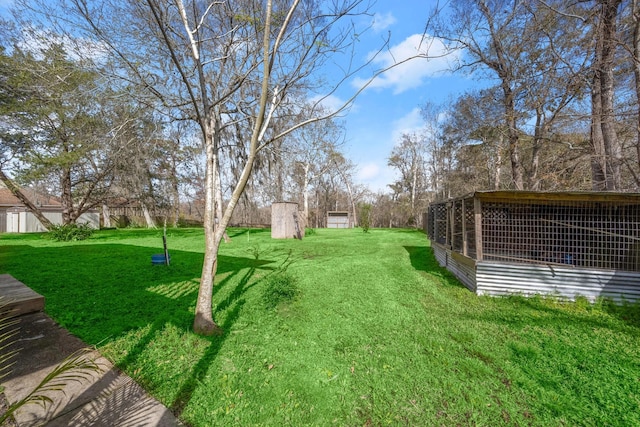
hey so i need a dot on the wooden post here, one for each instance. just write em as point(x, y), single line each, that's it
point(477, 214)
point(164, 243)
point(449, 225)
point(464, 228)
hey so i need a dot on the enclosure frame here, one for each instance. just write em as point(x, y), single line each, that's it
point(566, 244)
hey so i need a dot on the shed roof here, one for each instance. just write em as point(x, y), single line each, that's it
point(558, 196)
point(7, 199)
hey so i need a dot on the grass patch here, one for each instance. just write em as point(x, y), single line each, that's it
point(374, 334)
point(279, 289)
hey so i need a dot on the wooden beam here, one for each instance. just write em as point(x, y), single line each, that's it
point(565, 196)
point(477, 214)
point(464, 228)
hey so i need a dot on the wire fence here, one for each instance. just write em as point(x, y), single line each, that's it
point(596, 234)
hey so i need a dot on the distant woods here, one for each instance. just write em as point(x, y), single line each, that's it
point(557, 107)
point(119, 117)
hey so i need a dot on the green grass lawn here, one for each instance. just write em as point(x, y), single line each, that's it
point(378, 335)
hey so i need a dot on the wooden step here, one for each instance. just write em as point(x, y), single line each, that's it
point(18, 297)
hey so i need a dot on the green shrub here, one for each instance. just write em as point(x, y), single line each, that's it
point(280, 287)
point(309, 231)
point(70, 232)
point(365, 216)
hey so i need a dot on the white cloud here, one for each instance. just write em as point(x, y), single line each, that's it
point(382, 21)
point(34, 40)
point(368, 171)
point(375, 177)
point(425, 57)
point(331, 103)
point(411, 123)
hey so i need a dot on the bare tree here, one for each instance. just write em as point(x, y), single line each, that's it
point(408, 157)
point(222, 64)
point(311, 152)
point(496, 36)
point(607, 150)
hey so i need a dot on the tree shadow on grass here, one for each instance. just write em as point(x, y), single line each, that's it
point(422, 259)
point(235, 232)
point(235, 303)
point(101, 292)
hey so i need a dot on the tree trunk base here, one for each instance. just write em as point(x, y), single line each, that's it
point(206, 327)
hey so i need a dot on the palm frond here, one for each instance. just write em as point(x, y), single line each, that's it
point(78, 367)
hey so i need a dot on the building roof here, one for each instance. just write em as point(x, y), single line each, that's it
point(7, 199)
point(527, 196)
point(545, 196)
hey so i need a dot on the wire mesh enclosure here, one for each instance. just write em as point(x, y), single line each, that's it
point(574, 232)
point(600, 231)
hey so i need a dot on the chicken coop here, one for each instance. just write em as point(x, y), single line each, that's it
point(565, 244)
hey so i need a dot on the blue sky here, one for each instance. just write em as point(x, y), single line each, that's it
point(391, 105)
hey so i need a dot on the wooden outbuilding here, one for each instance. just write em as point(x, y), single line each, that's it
point(567, 244)
point(339, 219)
point(16, 218)
point(286, 221)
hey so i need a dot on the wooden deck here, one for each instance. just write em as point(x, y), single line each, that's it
point(18, 297)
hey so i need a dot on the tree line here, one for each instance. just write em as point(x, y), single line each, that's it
point(557, 107)
point(110, 100)
point(216, 108)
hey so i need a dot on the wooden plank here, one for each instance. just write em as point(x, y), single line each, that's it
point(464, 228)
point(463, 260)
point(18, 298)
point(477, 213)
point(568, 196)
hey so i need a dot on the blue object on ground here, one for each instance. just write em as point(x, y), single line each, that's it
point(158, 259)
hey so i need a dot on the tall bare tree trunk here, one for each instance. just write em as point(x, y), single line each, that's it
point(607, 152)
point(218, 196)
point(175, 191)
point(514, 139)
point(147, 215)
point(203, 322)
point(636, 72)
point(305, 192)
point(498, 168)
point(538, 135)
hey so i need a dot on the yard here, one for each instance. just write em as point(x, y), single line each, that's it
point(378, 335)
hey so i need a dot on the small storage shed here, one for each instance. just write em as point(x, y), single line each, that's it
point(16, 218)
point(21, 220)
point(286, 221)
point(339, 219)
point(567, 244)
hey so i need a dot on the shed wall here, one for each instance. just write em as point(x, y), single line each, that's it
point(26, 222)
point(286, 221)
point(339, 219)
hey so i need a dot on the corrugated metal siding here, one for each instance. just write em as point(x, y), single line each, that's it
point(465, 273)
point(504, 279)
point(440, 254)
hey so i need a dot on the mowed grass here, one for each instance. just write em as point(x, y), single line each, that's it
point(379, 334)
